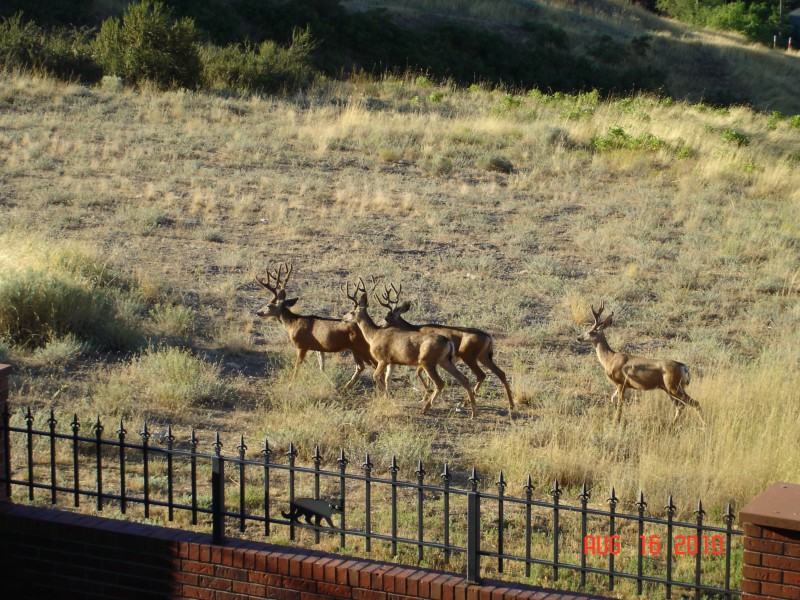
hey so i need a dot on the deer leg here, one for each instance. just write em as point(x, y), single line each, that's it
point(461, 378)
point(620, 393)
point(359, 368)
point(321, 360)
point(424, 383)
point(681, 399)
point(473, 365)
point(301, 355)
point(376, 376)
point(488, 360)
point(437, 382)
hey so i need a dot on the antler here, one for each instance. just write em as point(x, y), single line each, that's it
point(279, 289)
point(385, 299)
point(354, 296)
point(596, 313)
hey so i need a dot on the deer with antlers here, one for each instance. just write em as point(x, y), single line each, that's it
point(473, 346)
point(310, 332)
point(626, 371)
point(393, 346)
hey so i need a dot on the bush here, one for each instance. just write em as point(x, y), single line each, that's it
point(149, 45)
point(163, 380)
point(63, 52)
point(20, 44)
point(38, 306)
point(267, 67)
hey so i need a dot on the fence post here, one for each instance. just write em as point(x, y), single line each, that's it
point(218, 500)
point(5, 441)
point(473, 537)
point(771, 524)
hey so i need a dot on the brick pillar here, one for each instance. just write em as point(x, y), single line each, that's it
point(5, 371)
point(771, 525)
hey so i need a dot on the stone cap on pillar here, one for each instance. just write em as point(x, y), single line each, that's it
point(778, 506)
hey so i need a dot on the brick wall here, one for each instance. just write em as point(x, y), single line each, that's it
point(771, 524)
point(46, 553)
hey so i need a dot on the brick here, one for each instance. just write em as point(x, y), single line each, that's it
point(390, 579)
point(752, 558)
point(460, 591)
point(297, 583)
point(318, 571)
point(330, 570)
point(307, 567)
point(412, 583)
point(790, 578)
point(218, 584)
point(791, 549)
point(265, 578)
point(230, 573)
point(365, 576)
point(308, 596)
point(768, 546)
point(249, 589)
point(751, 530)
point(359, 594)
point(485, 592)
point(789, 592)
point(279, 594)
point(436, 586)
point(194, 592)
point(342, 572)
point(401, 581)
point(500, 593)
point(784, 563)
point(781, 535)
point(761, 574)
point(331, 589)
point(377, 576)
point(191, 566)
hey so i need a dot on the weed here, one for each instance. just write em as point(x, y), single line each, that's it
point(735, 137)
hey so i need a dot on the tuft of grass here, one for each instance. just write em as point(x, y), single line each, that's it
point(60, 352)
point(161, 382)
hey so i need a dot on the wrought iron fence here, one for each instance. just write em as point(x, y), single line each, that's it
point(470, 526)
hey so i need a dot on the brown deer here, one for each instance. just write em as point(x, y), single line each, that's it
point(472, 345)
point(393, 346)
point(639, 373)
point(312, 333)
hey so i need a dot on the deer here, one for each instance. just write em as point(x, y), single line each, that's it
point(394, 346)
point(311, 332)
point(640, 373)
point(472, 346)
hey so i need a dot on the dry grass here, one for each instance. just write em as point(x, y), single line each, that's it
point(189, 196)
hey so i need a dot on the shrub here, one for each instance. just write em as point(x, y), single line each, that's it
point(20, 44)
point(267, 67)
point(735, 137)
point(168, 380)
point(38, 306)
point(149, 45)
point(618, 138)
point(497, 164)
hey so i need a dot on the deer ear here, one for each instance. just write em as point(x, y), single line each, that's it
point(363, 300)
point(281, 294)
point(290, 302)
point(607, 321)
point(404, 307)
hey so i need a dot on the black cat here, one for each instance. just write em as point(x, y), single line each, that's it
point(310, 507)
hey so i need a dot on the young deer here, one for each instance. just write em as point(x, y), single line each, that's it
point(393, 346)
point(312, 333)
point(472, 345)
point(626, 371)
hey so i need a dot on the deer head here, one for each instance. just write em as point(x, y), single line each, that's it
point(359, 309)
point(394, 309)
point(596, 332)
point(278, 289)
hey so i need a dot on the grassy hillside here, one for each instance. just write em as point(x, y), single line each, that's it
point(513, 213)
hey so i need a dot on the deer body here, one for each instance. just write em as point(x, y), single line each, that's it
point(637, 372)
point(394, 346)
point(313, 333)
point(472, 346)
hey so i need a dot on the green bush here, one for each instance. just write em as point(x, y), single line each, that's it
point(148, 44)
point(20, 44)
point(618, 138)
point(267, 67)
point(735, 137)
point(39, 306)
point(62, 52)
